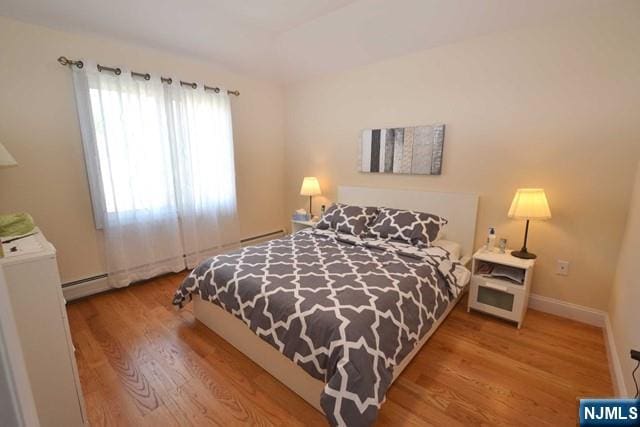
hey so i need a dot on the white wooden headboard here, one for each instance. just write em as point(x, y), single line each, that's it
point(460, 209)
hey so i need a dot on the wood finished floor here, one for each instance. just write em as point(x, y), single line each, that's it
point(143, 363)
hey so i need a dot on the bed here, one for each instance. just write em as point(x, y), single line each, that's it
point(337, 318)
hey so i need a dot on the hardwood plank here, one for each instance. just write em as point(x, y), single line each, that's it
point(133, 381)
point(99, 413)
point(540, 355)
point(113, 400)
point(430, 406)
point(152, 334)
point(142, 363)
point(286, 398)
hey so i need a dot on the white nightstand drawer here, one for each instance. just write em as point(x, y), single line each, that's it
point(498, 285)
point(497, 297)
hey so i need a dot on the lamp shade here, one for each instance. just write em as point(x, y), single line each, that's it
point(310, 186)
point(530, 203)
point(6, 159)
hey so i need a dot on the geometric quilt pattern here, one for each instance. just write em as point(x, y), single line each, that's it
point(346, 310)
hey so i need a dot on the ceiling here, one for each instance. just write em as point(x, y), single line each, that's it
point(294, 39)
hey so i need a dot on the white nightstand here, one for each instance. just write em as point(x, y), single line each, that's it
point(496, 295)
point(297, 225)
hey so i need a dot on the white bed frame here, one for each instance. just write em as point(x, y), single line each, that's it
point(461, 211)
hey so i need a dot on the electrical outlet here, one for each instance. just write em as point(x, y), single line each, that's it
point(562, 267)
point(635, 355)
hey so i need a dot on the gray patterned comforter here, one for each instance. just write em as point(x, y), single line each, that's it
point(347, 310)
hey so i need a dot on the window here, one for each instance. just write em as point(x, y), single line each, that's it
point(161, 171)
point(133, 151)
point(152, 147)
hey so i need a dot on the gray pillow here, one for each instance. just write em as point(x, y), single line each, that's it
point(325, 222)
point(417, 228)
point(353, 219)
point(349, 219)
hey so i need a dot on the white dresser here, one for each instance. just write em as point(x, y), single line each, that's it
point(39, 309)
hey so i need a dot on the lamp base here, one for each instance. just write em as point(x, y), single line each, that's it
point(524, 255)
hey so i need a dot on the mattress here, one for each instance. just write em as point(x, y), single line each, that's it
point(453, 248)
point(346, 310)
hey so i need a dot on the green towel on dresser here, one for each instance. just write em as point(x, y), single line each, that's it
point(16, 224)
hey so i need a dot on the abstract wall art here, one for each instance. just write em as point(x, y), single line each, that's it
point(409, 150)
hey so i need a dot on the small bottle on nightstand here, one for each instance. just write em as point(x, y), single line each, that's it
point(491, 239)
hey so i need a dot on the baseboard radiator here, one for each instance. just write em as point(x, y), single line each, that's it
point(95, 284)
point(261, 238)
point(85, 287)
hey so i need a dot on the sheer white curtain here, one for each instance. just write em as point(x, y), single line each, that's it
point(160, 167)
point(200, 123)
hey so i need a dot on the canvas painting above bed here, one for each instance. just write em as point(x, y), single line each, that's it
point(409, 150)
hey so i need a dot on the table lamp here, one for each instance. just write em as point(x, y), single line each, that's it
point(528, 203)
point(6, 159)
point(310, 187)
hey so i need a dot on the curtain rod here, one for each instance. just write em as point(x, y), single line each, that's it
point(63, 60)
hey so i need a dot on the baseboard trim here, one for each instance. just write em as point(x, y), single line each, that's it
point(580, 313)
point(84, 288)
point(617, 376)
point(254, 240)
point(94, 285)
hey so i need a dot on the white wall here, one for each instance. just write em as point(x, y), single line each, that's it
point(554, 107)
point(624, 307)
point(38, 125)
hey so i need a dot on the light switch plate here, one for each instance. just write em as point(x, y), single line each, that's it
point(562, 267)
